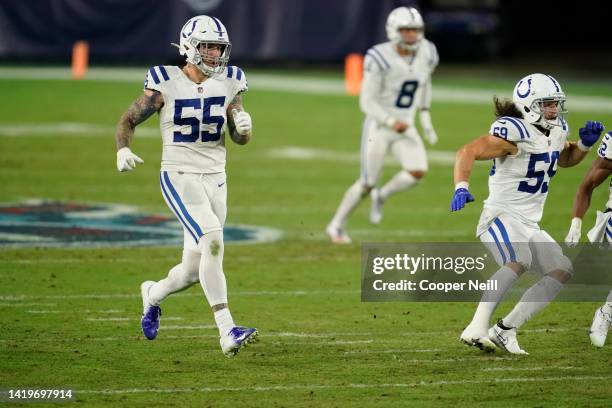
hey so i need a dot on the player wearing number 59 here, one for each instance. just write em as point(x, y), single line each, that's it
point(527, 142)
point(196, 104)
point(396, 82)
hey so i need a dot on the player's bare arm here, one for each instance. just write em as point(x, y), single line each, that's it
point(484, 148)
point(597, 174)
point(571, 155)
point(141, 109)
point(234, 108)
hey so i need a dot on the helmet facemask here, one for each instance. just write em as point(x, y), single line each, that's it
point(409, 46)
point(550, 110)
point(206, 58)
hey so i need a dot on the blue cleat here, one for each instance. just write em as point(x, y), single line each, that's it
point(150, 314)
point(237, 338)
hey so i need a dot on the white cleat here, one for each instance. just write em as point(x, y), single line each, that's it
point(238, 338)
point(337, 235)
point(505, 339)
point(376, 206)
point(477, 338)
point(599, 329)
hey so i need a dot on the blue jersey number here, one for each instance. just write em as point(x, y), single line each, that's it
point(604, 145)
point(207, 119)
point(540, 184)
point(406, 95)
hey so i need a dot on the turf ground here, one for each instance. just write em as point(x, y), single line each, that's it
point(70, 318)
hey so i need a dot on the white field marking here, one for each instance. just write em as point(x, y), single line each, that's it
point(528, 368)
point(542, 330)
point(393, 351)
point(297, 387)
point(43, 311)
point(68, 129)
point(105, 311)
point(7, 297)
point(300, 84)
point(442, 157)
point(187, 327)
point(125, 319)
point(27, 304)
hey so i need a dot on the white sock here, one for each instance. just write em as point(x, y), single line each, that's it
point(607, 307)
point(179, 278)
point(224, 321)
point(211, 274)
point(505, 278)
point(400, 182)
point(349, 202)
point(533, 300)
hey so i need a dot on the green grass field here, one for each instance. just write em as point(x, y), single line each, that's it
point(320, 346)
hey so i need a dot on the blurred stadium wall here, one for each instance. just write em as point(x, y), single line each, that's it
point(303, 31)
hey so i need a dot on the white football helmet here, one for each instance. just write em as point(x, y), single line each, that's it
point(404, 17)
point(205, 30)
point(532, 93)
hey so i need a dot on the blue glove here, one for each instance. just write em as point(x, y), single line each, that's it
point(461, 197)
point(589, 134)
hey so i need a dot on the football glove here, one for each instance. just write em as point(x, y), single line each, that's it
point(126, 160)
point(589, 134)
point(460, 199)
point(573, 236)
point(243, 122)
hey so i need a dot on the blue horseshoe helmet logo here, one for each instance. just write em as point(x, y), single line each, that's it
point(523, 95)
point(185, 35)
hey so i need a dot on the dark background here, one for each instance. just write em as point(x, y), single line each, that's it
point(305, 32)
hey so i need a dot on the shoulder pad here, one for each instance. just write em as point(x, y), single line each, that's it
point(509, 128)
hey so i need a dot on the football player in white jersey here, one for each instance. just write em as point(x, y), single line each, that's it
point(600, 170)
point(396, 83)
point(196, 104)
point(527, 143)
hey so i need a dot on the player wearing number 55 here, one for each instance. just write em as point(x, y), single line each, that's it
point(527, 142)
point(396, 82)
point(196, 104)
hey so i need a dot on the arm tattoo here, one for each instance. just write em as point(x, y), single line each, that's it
point(236, 104)
point(140, 110)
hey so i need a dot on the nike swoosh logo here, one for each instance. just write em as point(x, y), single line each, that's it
point(503, 123)
point(221, 185)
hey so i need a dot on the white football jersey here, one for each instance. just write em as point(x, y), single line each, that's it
point(193, 119)
point(605, 152)
point(400, 80)
point(519, 184)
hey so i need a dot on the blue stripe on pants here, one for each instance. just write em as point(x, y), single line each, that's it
point(504, 234)
point(177, 198)
point(178, 215)
point(501, 251)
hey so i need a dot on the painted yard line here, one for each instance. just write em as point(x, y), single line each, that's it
point(125, 319)
point(529, 368)
point(186, 327)
point(442, 157)
point(541, 330)
point(43, 311)
point(393, 351)
point(26, 304)
point(296, 387)
point(301, 84)
point(9, 297)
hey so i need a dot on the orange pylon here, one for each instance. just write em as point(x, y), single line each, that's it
point(353, 72)
point(80, 59)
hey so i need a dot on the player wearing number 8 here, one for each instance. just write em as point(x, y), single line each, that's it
point(527, 142)
point(196, 104)
point(396, 83)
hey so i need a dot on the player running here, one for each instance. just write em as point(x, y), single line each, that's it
point(396, 81)
point(196, 104)
point(527, 143)
point(600, 170)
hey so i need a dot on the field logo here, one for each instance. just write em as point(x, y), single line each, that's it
point(38, 223)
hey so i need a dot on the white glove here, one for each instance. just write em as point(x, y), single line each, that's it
point(573, 236)
point(243, 122)
point(126, 160)
point(428, 129)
